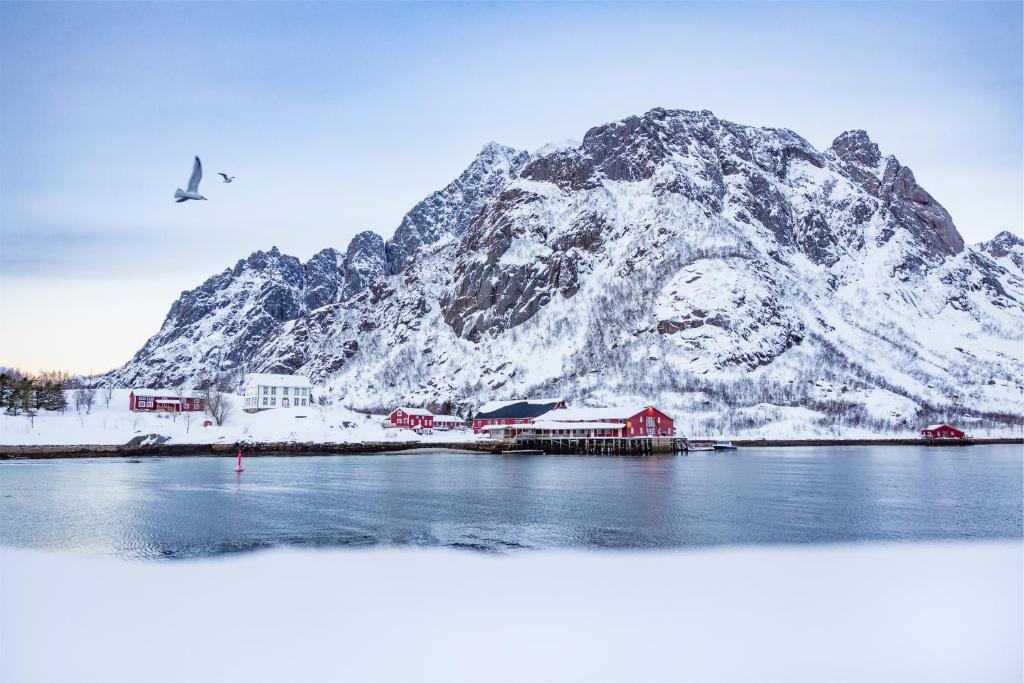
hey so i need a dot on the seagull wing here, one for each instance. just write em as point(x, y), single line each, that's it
point(223, 175)
point(197, 175)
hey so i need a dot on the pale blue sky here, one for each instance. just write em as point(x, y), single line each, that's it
point(339, 117)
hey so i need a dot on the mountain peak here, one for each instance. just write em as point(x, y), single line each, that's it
point(494, 149)
point(1004, 244)
point(856, 146)
point(447, 213)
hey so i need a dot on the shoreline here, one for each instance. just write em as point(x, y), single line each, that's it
point(55, 451)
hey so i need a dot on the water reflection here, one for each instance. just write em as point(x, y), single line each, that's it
point(187, 507)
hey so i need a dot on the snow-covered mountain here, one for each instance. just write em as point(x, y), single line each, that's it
point(734, 274)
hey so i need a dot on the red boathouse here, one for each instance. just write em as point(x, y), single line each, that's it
point(169, 400)
point(417, 419)
point(635, 421)
point(942, 431)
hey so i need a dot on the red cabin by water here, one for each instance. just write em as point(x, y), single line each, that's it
point(411, 418)
point(942, 431)
point(167, 400)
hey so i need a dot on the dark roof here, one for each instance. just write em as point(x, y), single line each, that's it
point(518, 410)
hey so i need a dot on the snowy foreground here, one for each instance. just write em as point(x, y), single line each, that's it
point(836, 613)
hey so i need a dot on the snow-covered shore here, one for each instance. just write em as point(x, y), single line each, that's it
point(844, 613)
point(115, 425)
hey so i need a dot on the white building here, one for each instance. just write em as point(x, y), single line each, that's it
point(263, 392)
point(448, 422)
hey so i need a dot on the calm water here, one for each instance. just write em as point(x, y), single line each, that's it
point(187, 507)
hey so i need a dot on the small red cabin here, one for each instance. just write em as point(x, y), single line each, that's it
point(418, 419)
point(942, 431)
point(168, 400)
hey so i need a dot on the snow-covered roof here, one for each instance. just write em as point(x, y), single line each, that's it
point(413, 411)
point(266, 379)
point(491, 406)
point(939, 426)
point(592, 414)
point(448, 418)
point(170, 393)
point(553, 424)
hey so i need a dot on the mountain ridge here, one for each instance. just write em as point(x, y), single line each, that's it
point(671, 245)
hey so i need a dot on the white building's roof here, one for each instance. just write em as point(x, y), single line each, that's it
point(495, 405)
point(413, 411)
point(592, 414)
point(448, 418)
point(264, 379)
point(157, 393)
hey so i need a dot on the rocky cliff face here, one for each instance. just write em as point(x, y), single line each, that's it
point(446, 214)
point(726, 271)
point(221, 324)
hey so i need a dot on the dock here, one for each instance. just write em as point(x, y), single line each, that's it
point(553, 445)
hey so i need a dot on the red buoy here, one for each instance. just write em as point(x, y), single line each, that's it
point(238, 467)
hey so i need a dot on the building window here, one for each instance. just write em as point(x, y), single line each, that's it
point(273, 400)
point(284, 390)
point(264, 390)
point(273, 391)
point(264, 400)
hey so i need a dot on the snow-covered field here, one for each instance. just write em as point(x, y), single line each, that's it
point(823, 613)
point(116, 425)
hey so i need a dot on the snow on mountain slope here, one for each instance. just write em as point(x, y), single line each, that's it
point(1007, 250)
point(447, 213)
point(727, 272)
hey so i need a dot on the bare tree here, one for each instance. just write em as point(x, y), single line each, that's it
point(186, 418)
point(180, 393)
point(85, 397)
point(218, 400)
point(108, 394)
point(88, 397)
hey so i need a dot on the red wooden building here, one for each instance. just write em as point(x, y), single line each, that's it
point(168, 400)
point(636, 421)
point(417, 419)
point(513, 412)
point(942, 431)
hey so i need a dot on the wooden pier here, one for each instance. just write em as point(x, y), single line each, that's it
point(571, 445)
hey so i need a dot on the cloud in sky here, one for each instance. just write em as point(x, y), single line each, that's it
point(339, 117)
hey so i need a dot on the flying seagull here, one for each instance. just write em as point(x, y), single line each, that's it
point(226, 177)
point(193, 184)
